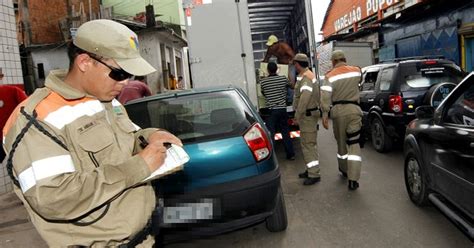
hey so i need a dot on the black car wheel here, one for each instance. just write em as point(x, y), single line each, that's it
point(278, 221)
point(415, 180)
point(380, 139)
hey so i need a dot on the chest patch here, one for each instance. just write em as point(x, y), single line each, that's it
point(86, 127)
point(118, 110)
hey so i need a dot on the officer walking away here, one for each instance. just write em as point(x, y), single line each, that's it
point(77, 163)
point(274, 89)
point(306, 105)
point(341, 89)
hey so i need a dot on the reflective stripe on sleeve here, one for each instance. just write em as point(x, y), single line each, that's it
point(68, 114)
point(326, 88)
point(312, 164)
point(310, 89)
point(116, 103)
point(44, 168)
point(354, 158)
point(136, 127)
point(342, 156)
point(344, 76)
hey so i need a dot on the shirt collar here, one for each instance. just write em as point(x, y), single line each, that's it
point(55, 82)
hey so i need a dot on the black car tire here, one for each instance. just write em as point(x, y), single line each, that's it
point(278, 221)
point(415, 179)
point(380, 139)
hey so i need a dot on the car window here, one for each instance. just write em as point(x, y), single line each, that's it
point(386, 79)
point(369, 79)
point(424, 77)
point(198, 116)
point(462, 110)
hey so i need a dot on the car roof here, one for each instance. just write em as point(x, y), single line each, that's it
point(397, 61)
point(177, 93)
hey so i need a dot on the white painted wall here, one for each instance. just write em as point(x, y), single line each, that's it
point(52, 59)
point(150, 50)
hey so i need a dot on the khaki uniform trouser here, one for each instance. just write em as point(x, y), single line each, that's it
point(309, 144)
point(348, 156)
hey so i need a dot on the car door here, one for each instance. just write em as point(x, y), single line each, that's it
point(452, 139)
point(384, 88)
point(367, 88)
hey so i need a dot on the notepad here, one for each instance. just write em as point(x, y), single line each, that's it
point(176, 157)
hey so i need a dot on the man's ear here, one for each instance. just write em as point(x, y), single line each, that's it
point(82, 61)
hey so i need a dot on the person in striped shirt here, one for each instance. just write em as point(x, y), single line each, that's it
point(274, 88)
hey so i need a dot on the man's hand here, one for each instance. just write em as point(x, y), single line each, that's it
point(155, 153)
point(325, 123)
point(164, 136)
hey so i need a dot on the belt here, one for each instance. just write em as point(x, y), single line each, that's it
point(308, 111)
point(345, 102)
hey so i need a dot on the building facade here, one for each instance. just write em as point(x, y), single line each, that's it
point(397, 29)
point(10, 66)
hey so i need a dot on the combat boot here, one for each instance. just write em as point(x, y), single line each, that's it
point(311, 180)
point(303, 174)
point(353, 185)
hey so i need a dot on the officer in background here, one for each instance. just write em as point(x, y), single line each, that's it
point(306, 105)
point(341, 89)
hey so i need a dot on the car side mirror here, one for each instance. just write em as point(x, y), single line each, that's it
point(424, 112)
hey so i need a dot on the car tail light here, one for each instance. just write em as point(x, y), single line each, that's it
point(430, 62)
point(395, 103)
point(258, 142)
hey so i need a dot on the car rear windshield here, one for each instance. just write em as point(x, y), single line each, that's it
point(423, 76)
point(196, 117)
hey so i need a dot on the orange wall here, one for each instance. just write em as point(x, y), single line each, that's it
point(44, 17)
point(344, 13)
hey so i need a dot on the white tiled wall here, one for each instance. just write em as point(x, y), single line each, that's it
point(9, 52)
point(10, 64)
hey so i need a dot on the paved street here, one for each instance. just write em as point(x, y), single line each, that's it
point(379, 214)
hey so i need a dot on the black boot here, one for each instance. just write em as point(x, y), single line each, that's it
point(311, 180)
point(353, 185)
point(303, 174)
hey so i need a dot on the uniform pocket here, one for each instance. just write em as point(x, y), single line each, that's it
point(96, 138)
point(126, 125)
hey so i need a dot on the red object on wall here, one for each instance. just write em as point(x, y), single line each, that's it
point(10, 97)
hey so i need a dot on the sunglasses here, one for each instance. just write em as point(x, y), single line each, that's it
point(115, 73)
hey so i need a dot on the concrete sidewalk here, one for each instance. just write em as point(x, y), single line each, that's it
point(16, 230)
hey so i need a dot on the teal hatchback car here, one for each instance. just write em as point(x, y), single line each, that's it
point(232, 179)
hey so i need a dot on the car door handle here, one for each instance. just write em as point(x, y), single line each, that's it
point(370, 99)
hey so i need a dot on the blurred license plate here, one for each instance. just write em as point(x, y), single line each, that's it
point(188, 212)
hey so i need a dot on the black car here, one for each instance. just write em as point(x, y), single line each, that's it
point(439, 156)
point(391, 91)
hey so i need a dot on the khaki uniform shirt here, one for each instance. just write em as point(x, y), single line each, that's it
point(99, 169)
point(306, 94)
point(341, 84)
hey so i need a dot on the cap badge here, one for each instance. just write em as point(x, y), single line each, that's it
point(134, 42)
